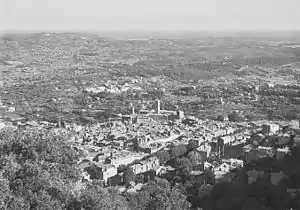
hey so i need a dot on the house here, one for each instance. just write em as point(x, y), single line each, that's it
point(143, 166)
point(223, 118)
point(95, 89)
point(270, 128)
point(189, 121)
point(159, 117)
point(283, 139)
point(224, 167)
point(11, 109)
point(137, 168)
point(207, 165)
point(221, 170)
point(280, 153)
point(205, 148)
point(229, 130)
point(247, 148)
point(127, 119)
point(228, 139)
point(109, 171)
point(234, 162)
point(220, 132)
point(257, 137)
point(262, 151)
point(142, 119)
point(180, 115)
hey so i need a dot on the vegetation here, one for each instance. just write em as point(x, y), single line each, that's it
point(38, 170)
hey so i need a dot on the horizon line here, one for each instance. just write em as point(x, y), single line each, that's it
point(159, 32)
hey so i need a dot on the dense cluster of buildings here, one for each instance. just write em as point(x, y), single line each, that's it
point(226, 145)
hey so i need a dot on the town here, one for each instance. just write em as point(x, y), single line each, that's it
point(86, 117)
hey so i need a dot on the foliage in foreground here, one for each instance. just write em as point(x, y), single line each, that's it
point(38, 170)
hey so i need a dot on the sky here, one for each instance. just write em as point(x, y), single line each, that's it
point(93, 15)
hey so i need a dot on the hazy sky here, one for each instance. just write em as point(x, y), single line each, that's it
point(46, 15)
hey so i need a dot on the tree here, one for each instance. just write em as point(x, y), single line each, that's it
point(128, 175)
point(178, 150)
point(158, 194)
point(163, 156)
point(39, 167)
point(197, 181)
point(138, 201)
point(183, 162)
point(192, 145)
point(38, 170)
point(94, 171)
point(270, 114)
point(250, 204)
point(94, 197)
point(234, 117)
point(195, 158)
point(140, 178)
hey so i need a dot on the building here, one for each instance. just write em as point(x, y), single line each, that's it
point(143, 166)
point(159, 117)
point(205, 148)
point(283, 139)
point(280, 153)
point(109, 171)
point(222, 170)
point(257, 137)
point(234, 162)
point(127, 119)
point(157, 107)
point(180, 115)
point(207, 165)
point(224, 167)
point(144, 112)
point(270, 128)
point(132, 109)
point(229, 139)
point(142, 119)
point(264, 151)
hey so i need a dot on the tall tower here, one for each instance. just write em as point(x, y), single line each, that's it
point(180, 115)
point(157, 107)
point(132, 109)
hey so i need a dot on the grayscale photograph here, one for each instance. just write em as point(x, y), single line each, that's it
point(149, 104)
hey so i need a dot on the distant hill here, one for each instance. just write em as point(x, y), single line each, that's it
point(190, 56)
